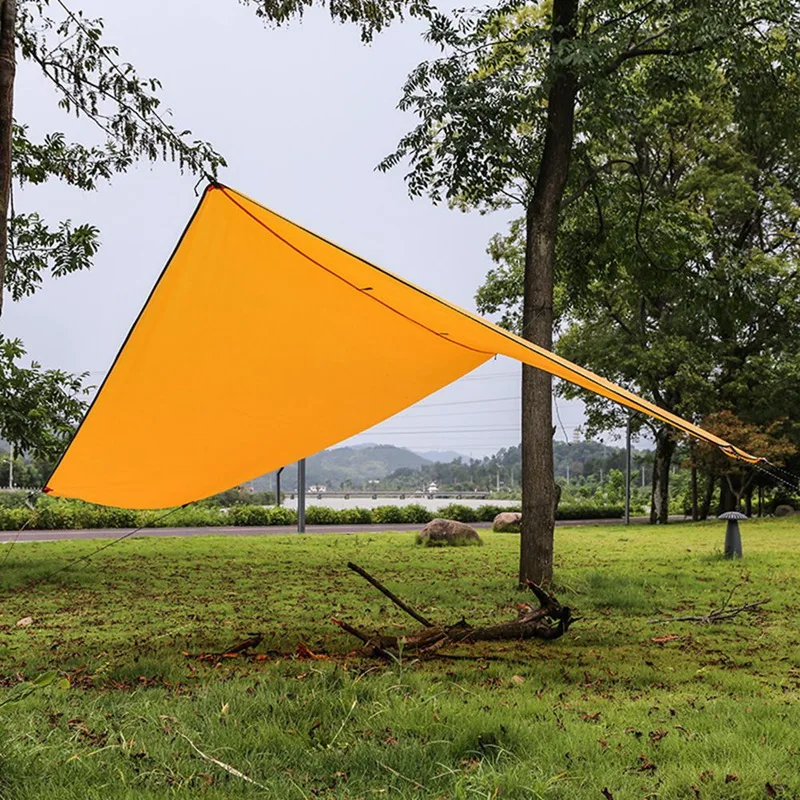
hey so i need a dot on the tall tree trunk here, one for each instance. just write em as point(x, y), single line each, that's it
point(8, 21)
point(539, 490)
point(727, 499)
point(665, 447)
point(695, 509)
point(708, 496)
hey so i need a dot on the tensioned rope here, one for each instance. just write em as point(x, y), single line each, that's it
point(793, 486)
point(88, 556)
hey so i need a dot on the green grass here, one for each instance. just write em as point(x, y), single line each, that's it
point(711, 713)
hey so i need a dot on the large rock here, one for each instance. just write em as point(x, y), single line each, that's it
point(448, 532)
point(507, 522)
point(784, 511)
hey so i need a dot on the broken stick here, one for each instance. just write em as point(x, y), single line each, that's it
point(393, 597)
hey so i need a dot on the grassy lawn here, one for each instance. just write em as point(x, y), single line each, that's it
point(618, 704)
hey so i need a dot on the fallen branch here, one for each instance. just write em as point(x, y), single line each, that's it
point(254, 641)
point(221, 764)
point(393, 597)
point(394, 772)
point(715, 615)
point(549, 620)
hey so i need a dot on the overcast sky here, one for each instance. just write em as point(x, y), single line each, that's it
point(302, 114)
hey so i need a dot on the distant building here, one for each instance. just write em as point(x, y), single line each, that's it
point(432, 488)
point(317, 489)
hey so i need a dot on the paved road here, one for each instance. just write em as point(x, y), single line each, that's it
point(272, 530)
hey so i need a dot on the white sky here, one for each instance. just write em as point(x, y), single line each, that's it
point(302, 114)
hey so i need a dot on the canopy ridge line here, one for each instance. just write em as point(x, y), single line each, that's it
point(444, 336)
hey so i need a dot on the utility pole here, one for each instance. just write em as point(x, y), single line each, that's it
point(628, 471)
point(301, 496)
point(11, 466)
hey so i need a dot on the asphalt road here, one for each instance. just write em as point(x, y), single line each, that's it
point(272, 530)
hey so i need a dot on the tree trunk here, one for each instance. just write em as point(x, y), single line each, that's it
point(665, 447)
point(8, 21)
point(539, 490)
point(708, 495)
point(695, 509)
point(727, 499)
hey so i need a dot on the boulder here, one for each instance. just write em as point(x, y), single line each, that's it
point(448, 533)
point(784, 511)
point(507, 522)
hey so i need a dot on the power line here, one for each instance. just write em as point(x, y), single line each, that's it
point(443, 431)
point(490, 376)
point(466, 402)
point(460, 413)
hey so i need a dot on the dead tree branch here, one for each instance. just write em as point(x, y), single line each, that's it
point(393, 597)
point(549, 620)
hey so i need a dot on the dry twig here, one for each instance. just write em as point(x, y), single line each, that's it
point(227, 767)
point(715, 615)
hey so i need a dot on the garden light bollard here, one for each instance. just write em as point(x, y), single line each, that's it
point(733, 538)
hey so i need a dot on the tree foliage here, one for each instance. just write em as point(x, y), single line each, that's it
point(92, 83)
point(40, 407)
point(521, 95)
point(95, 84)
point(371, 16)
point(677, 260)
point(771, 442)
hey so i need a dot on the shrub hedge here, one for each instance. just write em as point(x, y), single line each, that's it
point(59, 514)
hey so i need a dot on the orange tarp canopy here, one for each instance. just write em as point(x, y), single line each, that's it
point(200, 398)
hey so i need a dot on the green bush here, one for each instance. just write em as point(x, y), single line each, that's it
point(458, 512)
point(282, 516)
point(416, 514)
point(52, 515)
point(238, 497)
point(249, 516)
point(589, 511)
point(355, 516)
point(84, 515)
point(388, 515)
point(488, 513)
point(119, 518)
point(12, 519)
point(321, 515)
point(15, 499)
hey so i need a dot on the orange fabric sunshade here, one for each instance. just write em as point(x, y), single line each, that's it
point(263, 343)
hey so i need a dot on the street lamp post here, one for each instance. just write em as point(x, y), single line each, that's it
point(628, 471)
point(301, 496)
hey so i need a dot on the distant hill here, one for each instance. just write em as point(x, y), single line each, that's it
point(348, 466)
point(441, 456)
point(352, 467)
